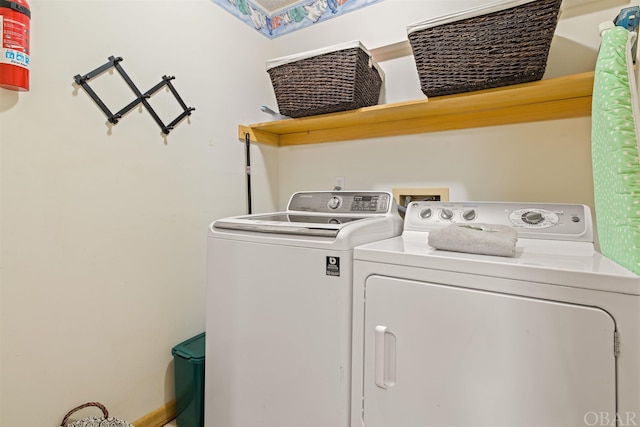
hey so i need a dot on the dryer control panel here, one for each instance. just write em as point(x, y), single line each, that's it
point(533, 220)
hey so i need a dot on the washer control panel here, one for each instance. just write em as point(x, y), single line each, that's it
point(533, 220)
point(347, 202)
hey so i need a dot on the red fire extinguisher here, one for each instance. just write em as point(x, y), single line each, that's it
point(15, 17)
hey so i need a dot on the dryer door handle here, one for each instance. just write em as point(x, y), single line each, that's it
point(385, 358)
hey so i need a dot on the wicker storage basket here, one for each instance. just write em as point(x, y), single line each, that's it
point(104, 421)
point(337, 78)
point(502, 43)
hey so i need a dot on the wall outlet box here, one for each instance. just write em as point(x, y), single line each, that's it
point(404, 196)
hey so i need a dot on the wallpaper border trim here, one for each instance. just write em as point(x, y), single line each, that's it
point(298, 16)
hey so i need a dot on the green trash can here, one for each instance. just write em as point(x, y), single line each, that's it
point(188, 368)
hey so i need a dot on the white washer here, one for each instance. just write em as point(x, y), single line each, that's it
point(278, 348)
point(550, 337)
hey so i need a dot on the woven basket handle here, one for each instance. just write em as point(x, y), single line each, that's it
point(86, 405)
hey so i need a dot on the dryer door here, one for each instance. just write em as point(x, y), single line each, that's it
point(445, 356)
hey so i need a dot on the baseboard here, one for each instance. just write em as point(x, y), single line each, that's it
point(159, 417)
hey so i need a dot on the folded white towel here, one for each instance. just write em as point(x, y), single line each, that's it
point(485, 239)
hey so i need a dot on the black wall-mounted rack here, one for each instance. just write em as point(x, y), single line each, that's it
point(114, 62)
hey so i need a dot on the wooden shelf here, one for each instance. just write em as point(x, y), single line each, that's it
point(558, 98)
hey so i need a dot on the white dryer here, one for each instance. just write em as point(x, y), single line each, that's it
point(550, 337)
point(278, 348)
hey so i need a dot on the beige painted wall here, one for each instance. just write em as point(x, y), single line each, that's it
point(104, 230)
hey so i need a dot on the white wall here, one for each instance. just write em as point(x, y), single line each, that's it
point(548, 161)
point(104, 229)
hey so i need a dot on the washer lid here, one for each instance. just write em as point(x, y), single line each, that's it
point(318, 213)
point(289, 223)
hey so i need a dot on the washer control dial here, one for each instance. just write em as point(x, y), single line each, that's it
point(533, 218)
point(334, 202)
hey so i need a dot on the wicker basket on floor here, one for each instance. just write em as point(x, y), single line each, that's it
point(329, 80)
point(475, 50)
point(104, 421)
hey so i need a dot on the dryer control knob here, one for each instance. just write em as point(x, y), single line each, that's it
point(532, 217)
point(446, 214)
point(470, 215)
point(425, 213)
